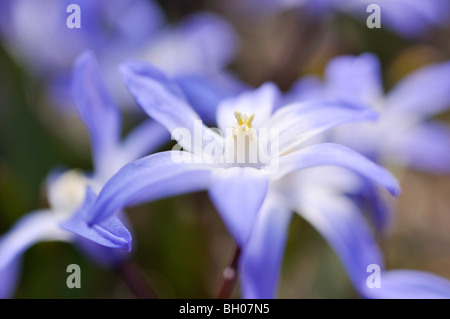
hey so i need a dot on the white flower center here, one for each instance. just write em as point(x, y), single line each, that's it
point(67, 193)
point(242, 143)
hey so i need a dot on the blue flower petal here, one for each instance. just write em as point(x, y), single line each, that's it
point(152, 177)
point(355, 79)
point(343, 226)
point(306, 88)
point(109, 232)
point(424, 92)
point(163, 100)
point(238, 194)
point(425, 147)
point(212, 39)
point(34, 227)
point(262, 256)
point(329, 154)
point(298, 122)
point(97, 110)
point(205, 93)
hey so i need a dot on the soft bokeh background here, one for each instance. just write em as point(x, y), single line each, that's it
point(180, 244)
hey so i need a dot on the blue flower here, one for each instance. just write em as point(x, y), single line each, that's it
point(242, 191)
point(71, 193)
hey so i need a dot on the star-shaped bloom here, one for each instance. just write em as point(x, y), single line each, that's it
point(237, 176)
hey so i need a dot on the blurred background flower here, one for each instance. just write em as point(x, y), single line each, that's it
point(181, 245)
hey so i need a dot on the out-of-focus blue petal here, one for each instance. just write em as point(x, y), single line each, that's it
point(96, 109)
point(37, 226)
point(262, 257)
point(213, 38)
point(259, 102)
point(342, 225)
point(203, 43)
point(424, 147)
point(163, 100)
point(134, 21)
point(329, 154)
point(354, 79)
point(205, 93)
point(423, 93)
point(146, 138)
point(238, 194)
point(156, 176)
point(298, 122)
point(109, 232)
point(306, 88)
point(107, 26)
point(409, 284)
point(9, 277)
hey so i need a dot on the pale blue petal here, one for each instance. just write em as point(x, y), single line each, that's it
point(409, 284)
point(354, 79)
point(329, 154)
point(262, 257)
point(203, 94)
point(109, 232)
point(163, 100)
point(343, 226)
point(155, 176)
point(32, 228)
point(306, 88)
point(238, 194)
point(212, 39)
point(134, 21)
point(97, 109)
point(425, 147)
point(298, 122)
point(423, 93)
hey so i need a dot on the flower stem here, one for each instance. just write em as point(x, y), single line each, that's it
point(136, 281)
point(230, 275)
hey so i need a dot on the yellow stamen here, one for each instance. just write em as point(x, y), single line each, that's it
point(243, 119)
point(250, 120)
point(240, 119)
